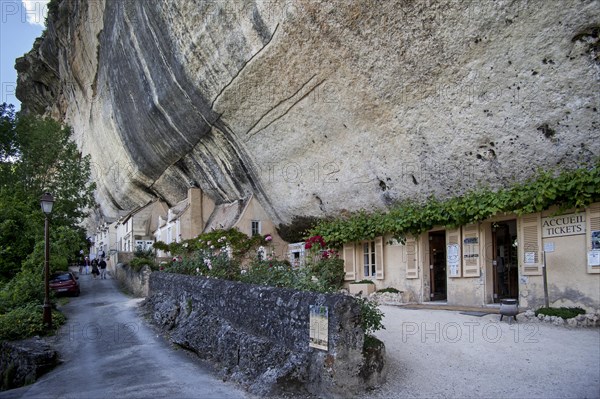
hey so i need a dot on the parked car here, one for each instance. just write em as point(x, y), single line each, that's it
point(64, 283)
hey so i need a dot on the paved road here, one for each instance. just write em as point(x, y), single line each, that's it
point(108, 352)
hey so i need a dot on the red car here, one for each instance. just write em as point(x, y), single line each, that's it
point(64, 283)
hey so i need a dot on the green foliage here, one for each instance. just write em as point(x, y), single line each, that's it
point(239, 244)
point(371, 317)
point(329, 272)
point(566, 189)
point(138, 263)
point(27, 287)
point(143, 258)
point(37, 155)
point(365, 281)
point(390, 290)
point(26, 321)
point(281, 274)
point(18, 232)
point(565, 313)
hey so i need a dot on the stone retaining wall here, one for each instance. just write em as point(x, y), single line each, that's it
point(134, 282)
point(259, 336)
point(22, 362)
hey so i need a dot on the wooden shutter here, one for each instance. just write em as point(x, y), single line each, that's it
point(410, 248)
point(348, 254)
point(530, 244)
point(471, 261)
point(453, 253)
point(592, 225)
point(379, 265)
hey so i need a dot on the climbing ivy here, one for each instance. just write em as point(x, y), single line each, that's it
point(566, 189)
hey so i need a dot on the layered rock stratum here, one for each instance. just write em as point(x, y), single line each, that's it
point(318, 107)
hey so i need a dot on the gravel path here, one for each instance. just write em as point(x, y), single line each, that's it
point(444, 354)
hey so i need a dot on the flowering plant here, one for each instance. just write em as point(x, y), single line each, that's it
point(315, 240)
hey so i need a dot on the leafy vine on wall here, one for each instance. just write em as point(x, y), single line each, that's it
point(566, 189)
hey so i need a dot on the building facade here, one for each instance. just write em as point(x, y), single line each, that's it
point(482, 263)
point(135, 230)
point(185, 220)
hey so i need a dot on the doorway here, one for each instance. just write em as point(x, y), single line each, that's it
point(506, 271)
point(437, 265)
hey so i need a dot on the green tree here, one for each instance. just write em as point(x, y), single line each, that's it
point(37, 155)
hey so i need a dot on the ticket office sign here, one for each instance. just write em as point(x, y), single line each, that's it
point(563, 225)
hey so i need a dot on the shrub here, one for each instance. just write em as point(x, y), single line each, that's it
point(137, 264)
point(281, 274)
point(565, 313)
point(220, 266)
point(390, 289)
point(330, 273)
point(26, 321)
point(141, 258)
point(365, 281)
point(371, 317)
point(26, 287)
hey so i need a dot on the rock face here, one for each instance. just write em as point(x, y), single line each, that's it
point(258, 336)
point(317, 107)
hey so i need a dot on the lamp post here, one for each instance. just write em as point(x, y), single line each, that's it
point(46, 202)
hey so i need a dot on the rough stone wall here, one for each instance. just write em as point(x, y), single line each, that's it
point(22, 362)
point(137, 283)
point(319, 106)
point(259, 335)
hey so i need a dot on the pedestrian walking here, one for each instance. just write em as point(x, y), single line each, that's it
point(86, 264)
point(102, 265)
point(95, 271)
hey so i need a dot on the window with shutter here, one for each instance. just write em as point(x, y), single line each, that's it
point(471, 257)
point(530, 245)
point(348, 254)
point(379, 265)
point(593, 238)
point(453, 257)
point(410, 248)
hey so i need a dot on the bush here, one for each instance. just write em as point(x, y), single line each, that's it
point(365, 281)
point(26, 287)
point(141, 258)
point(26, 321)
point(390, 289)
point(565, 313)
point(330, 273)
point(281, 274)
point(371, 317)
point(222, 267)
point(137, 264)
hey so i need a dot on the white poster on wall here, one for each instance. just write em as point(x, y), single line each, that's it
point(453, 260)
point(594, 258)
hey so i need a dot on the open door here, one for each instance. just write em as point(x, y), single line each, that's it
point(505, 262)
point(437, 265)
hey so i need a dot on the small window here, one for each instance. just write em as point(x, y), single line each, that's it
point(255, 228)
point(369, 258)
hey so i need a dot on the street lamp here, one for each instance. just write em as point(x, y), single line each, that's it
point(46, 202)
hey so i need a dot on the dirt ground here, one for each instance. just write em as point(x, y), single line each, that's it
point(445, 354)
